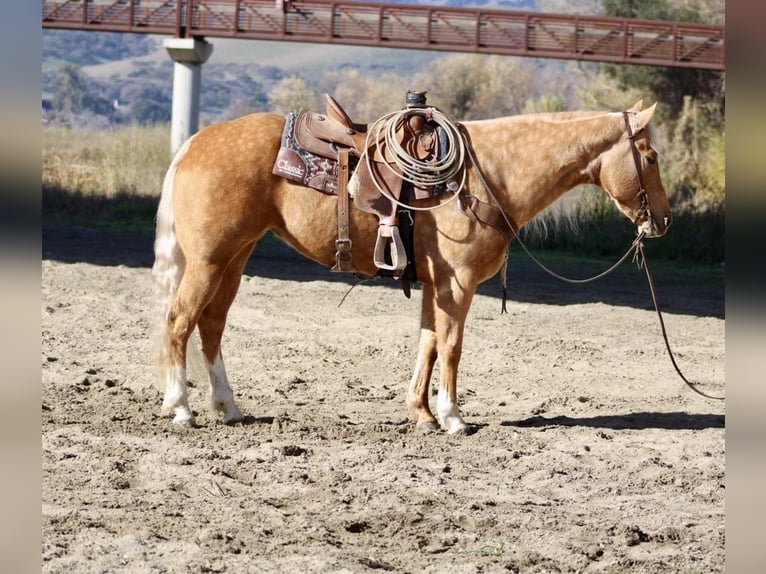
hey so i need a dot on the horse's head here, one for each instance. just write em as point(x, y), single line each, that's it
point(630, 173)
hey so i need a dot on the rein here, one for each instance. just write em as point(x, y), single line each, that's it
point(636, 246)
point(515, 232)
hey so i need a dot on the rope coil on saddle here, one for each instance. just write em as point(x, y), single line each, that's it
point(438, 171)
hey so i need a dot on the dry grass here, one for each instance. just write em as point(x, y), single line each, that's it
point(130, 160)
point(106, 179)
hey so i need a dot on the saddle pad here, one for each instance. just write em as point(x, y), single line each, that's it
point(301, 166)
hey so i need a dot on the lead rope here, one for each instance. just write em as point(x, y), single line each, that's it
point(643, 263)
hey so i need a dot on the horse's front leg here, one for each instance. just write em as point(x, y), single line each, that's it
point(417, 393)
point(441, 334)
point(451, 310)
point(221, 394)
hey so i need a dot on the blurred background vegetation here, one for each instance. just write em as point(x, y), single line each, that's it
point(106, 113)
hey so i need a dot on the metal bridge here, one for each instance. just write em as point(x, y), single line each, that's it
point(417, 27)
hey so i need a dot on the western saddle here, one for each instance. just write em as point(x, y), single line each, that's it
point(323, 150)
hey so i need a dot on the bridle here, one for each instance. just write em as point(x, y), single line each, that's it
point(643, 210)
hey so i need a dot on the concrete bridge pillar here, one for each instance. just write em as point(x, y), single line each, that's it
point(188, 56)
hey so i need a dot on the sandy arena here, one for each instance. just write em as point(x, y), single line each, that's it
point(586, 453)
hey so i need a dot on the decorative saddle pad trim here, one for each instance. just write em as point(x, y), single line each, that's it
point(302, 166)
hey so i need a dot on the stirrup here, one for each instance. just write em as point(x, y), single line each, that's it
point(389, 235)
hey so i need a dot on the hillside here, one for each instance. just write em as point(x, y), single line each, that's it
point(122, 69)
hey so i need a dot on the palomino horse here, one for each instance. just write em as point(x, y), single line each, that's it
point(220, 196)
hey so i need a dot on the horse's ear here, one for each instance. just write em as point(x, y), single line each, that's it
point(637, 107)
point(641, 119)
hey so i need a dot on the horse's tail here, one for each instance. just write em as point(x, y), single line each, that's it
point(168, 268)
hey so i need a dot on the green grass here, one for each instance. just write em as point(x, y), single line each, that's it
point(488, 550)
point(122, 212)
point(583, 265)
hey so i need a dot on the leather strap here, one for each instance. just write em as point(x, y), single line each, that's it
point(491, 215)
point(343, 261)
point(488, 214)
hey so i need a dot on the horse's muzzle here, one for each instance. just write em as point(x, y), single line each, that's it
point(656, 226)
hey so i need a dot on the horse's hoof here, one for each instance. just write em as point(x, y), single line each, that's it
point(233, 415)
point(427, 427)
point(184, 421)
point(457, 428)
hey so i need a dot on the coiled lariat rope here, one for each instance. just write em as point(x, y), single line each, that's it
point(438, 171)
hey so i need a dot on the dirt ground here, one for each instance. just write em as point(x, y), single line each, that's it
point(586, 453)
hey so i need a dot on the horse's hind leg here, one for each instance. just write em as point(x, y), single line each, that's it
point(198, 286)
point(211, 326)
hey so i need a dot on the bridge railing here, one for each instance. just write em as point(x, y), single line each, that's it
point(619, 40)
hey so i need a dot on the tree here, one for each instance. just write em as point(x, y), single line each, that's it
point(74, 97)
point(147, 103)
point(696, 162)
point(147, 111)
point(366, 97)
point(670, 85)
point(545, 103)
point(469, 86)
point(73, 94)
point(292, 94)
point(692, 105)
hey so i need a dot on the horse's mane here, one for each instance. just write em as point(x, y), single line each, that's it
point(560, 215)
point(549, 117)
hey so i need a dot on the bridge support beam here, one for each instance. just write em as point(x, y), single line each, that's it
point(188, 56)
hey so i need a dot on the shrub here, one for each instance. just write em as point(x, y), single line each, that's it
point(597, 228)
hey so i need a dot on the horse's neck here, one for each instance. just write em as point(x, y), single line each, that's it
point(530, 161)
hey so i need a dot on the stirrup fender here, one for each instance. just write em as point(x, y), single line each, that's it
point(389, 235)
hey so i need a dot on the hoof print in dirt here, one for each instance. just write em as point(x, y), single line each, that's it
point(467, 430)
point(294, 450)
point(376, 564)
point(635, 536)
point(357, 527)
